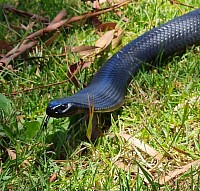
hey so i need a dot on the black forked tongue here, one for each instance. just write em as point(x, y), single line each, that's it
point(45, 122)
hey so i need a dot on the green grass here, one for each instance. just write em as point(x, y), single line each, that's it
point(161, 109)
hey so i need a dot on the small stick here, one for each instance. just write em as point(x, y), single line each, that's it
point(37, 87)
point(25, 14)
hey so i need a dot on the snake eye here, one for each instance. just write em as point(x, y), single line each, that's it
point(60, 109)
point(56, 110)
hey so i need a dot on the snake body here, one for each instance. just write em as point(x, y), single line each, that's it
point(107, 89)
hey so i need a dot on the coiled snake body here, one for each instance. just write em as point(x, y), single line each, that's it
point(107, 89)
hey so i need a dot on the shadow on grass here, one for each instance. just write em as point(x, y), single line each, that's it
point(64, 142)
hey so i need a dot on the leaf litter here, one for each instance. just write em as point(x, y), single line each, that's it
point(87, 55)
point(161, 161)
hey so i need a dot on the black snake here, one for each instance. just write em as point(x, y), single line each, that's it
point(107, 89)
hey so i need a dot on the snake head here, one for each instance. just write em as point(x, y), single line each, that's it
point(59, 108)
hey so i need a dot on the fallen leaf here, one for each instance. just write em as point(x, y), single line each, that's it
point(53, 177)
point(12, 154)
point(68, 168)
point(33, 39)
point(74, 68)
point(106, 26)
point(86, 64)
point(95, 21)
point(174, 173)
point(96, 5)
point(117, 38)
point(122, 165)
point(52, 39)
point(20, 118)
point(79, 49)
point(120, 14)
point(85, 51)
point(142, 146)
point(104, 41)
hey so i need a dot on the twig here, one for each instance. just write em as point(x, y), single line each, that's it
point(59, 17)
point(95, 13)
point(25, 14)
point(174, 2)
point(37, 87)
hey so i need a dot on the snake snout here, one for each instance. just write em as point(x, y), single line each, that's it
point(58, 110)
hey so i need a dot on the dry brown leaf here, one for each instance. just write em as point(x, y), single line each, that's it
point(122, 165)
point(104, 41)
point(106, 26)
point(25, 163)
point(74, 68)
point(53, 177)
point(95, 21)
point(20, 118)
point(79, 49)
point(174, 173)
point(52, 39)
point(117, 38)
point(120, 14)
point(96, 5)
point(85, 51)
point(68, 168)
point(12, 154)
point(86, 64)
point(142, 146)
